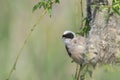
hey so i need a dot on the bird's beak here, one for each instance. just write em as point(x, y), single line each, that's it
point(63, 36)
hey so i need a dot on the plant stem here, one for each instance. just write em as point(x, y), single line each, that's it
point(76, 72)
point(23, 45)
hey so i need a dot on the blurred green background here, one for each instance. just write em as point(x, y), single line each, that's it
point(44, 56)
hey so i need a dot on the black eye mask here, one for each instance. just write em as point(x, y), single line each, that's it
point(69, 35)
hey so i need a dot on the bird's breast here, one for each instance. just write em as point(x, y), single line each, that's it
point(77, 55)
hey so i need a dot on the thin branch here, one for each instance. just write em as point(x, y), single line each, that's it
point(23, 45)
point(76, 72)
point(78, 69)
point(82, 16)
point(89, 16)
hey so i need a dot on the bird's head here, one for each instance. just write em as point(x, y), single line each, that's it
point(68, 35)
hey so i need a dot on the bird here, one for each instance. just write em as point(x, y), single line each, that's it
point(75, 46)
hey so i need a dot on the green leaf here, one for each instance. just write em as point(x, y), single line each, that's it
point(85, 28)
point(116, 6)
point(50, 11)
point(44, 4)
point(57, 1)
point(38, 5)
point(116, 10)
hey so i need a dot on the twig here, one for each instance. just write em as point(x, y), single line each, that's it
point(23, 45)
point(82, 16)
point(78, 76)
point(76, 72)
